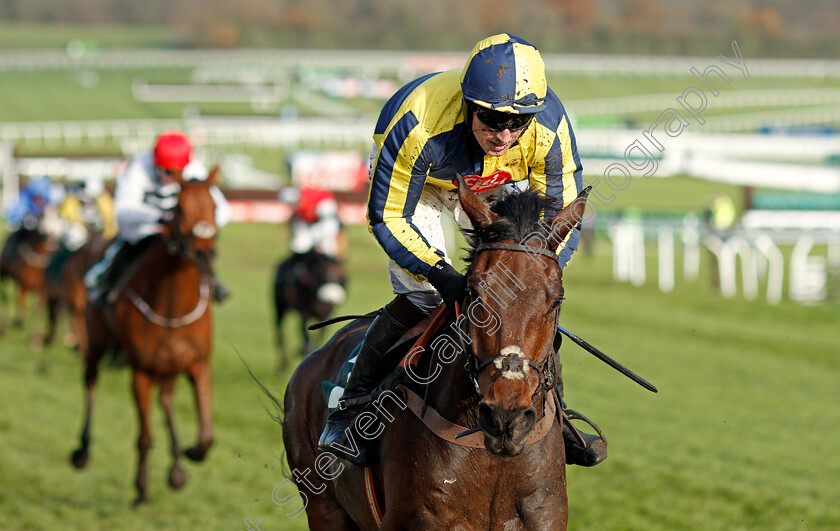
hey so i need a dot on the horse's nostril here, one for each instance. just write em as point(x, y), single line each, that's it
point(488, 421)
point(525, 422)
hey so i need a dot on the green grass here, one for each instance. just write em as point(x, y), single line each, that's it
point(742, 434)
point(670, 194)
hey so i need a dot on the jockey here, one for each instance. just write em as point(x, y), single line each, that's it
point(144, 199)
point(85, 210)
point(498, 124)
point(89, 208)
point(31, 204)
point(315, 223)
point(34, 211)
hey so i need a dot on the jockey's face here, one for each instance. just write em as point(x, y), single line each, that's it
point(494, 143)
point(166, 176)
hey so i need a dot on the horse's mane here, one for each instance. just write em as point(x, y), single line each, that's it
point(520, 216)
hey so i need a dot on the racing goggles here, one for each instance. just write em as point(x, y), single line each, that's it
point(499, 121)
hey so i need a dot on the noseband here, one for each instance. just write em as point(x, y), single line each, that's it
point(508, 365)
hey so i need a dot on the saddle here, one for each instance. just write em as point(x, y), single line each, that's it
point(332, 390)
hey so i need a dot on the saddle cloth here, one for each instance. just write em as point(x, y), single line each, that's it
point(332, 390)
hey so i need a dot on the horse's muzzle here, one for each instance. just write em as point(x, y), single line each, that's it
point(505, 430)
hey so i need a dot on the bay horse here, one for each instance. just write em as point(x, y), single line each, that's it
point(26, 253)
point(66, 291)
point(311, 284)
point(489, 370)
point(163, 323)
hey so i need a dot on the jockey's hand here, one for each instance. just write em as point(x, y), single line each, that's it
point(448, 282)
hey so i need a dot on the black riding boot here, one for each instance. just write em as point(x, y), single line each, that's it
point(220, 292)
point(101, 294)
point(594, 449)
point(371, 367)
point(593, 453)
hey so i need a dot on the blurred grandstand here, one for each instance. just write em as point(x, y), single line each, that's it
point(762, 125)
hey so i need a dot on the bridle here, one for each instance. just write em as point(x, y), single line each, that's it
point(507, 364)
point(177, 244)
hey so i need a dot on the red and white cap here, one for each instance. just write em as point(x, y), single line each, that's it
point(172, 150)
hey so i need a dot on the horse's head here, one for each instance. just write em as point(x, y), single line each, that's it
point(192, 231)
point(513, 302)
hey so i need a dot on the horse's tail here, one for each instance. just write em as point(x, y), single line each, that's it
point(277, 415)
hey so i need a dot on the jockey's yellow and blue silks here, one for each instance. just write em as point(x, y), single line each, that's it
point(421, 139)
point(507, 74)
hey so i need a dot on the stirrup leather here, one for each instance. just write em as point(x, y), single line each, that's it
point(570, 415)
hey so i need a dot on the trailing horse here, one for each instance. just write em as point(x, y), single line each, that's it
point(468, 432)
point(162, 321)
point(311, 284)
point(25, 255)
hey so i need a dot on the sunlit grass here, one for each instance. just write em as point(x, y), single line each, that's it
point(740, 436)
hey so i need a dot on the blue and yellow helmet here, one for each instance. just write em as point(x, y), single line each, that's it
point(506, 74)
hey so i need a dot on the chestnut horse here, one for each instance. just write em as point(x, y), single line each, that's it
point(24, 258)
point(490, 371)
point(311, 284)
point(162, 322)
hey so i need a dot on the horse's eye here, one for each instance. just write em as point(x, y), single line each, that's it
point(557, 302)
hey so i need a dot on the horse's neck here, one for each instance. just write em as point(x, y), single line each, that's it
point(168, 271)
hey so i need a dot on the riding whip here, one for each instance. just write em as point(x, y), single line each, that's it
point(608, 360)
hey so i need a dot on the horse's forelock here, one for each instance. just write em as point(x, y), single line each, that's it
point(520, 216)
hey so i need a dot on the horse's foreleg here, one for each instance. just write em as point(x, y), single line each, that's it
point(36, 340)
point(52, 320)
point(92, 357)
point(20, 308)
point(282, 353)
point(77, 320)
point(142, 398)
point(305, 349)
point(177, 478)
point(202, 380)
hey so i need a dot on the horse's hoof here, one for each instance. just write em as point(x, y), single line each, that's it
point(177, 478)
point(194, 454)
point(71, 341)
point(17, 323)
point(79, 458)
point(142, 500)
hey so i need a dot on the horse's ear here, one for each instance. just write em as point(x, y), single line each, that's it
point(214, 175)
point(568, 218)
point(476, 210)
